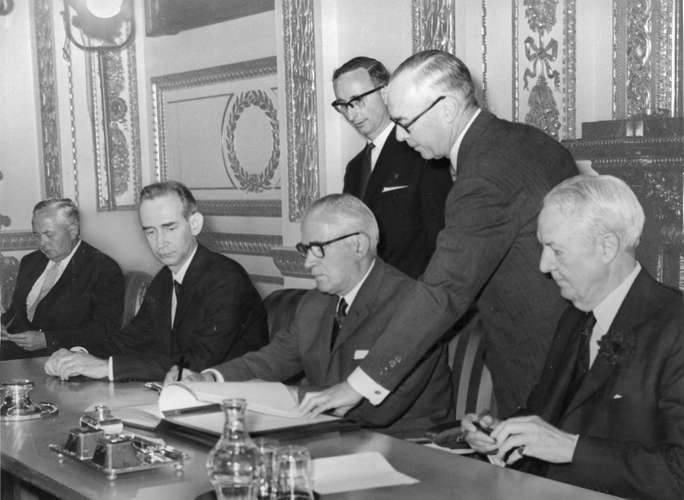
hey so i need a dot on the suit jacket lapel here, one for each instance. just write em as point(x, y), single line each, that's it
point(383, 168)
point(548, 397)
point(76, 262)
point(632, 312)
point(352, 183)
point(360, 307)
point(190, 281)
point(33, 274)
point(477, 128)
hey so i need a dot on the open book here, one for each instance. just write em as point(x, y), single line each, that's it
point(270, 407)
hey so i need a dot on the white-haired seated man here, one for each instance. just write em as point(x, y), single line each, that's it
point(608, 410)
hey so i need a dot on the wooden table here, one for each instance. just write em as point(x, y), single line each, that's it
point(25, 454)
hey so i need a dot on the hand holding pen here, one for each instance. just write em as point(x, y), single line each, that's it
point(478, 428)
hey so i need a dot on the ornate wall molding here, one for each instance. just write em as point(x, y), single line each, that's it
point(483, 51)
point(646, 73)
point(552, 78)
point(43, 32)
point(231, 83)
point(242, 208)
point(13, 241)
point(300, 96)
point(242, 244)
point(652, 164)
point(433, 25)
point(113, 85)
point(289, 262)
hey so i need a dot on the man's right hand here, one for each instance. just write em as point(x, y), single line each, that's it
point(65, 364)
point(477, 439)
point(188, 376)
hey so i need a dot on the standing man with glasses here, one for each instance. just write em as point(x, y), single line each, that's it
point(334, 326)
point(487, 254)
point(405, 192)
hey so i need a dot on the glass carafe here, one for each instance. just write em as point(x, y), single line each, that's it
point(231, 462)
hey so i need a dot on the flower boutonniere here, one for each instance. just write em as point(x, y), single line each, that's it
point(616, 346)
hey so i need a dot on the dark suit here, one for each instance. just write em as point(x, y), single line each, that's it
point(487, 254)
point(219, 315)
point(305, 346)
point(83, 308)
point(629, 415)
point(409, 217)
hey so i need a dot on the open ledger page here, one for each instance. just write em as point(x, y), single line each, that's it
point(270, 406)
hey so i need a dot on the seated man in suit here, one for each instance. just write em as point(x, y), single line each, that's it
point(405, 192)
point(608, 410)
point(335, 324)
point(67, 293)
point(200, 308)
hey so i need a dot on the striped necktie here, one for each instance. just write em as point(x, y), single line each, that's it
point(51, 273)
point(340, 316)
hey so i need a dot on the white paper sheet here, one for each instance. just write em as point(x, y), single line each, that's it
point(358, 471)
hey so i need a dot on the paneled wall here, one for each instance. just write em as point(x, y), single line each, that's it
point(240, 109)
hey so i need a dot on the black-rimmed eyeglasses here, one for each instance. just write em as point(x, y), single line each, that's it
point(406, 126)
point(343, 106)
point(318, 247)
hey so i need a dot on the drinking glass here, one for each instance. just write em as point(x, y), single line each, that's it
point(265, 461)
point(293, 473)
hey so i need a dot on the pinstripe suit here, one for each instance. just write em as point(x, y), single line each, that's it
point(487, 255)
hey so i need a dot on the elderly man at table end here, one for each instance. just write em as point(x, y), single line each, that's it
point(608, 411)
point(67, 293)
point(200, 309)
point(336, 323)
point(487, 253)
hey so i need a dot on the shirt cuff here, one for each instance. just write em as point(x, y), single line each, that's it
point(218, 376)
point(367, 387)
point(110, 373)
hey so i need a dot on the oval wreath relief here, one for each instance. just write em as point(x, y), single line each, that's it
point(249, 182)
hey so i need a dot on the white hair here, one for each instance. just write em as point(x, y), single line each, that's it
point(351, 212)
point(604, 203)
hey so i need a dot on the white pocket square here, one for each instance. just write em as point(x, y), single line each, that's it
point(387, 189)
point(360, 354)
point(617, 396)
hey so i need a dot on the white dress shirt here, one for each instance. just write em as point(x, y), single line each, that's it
point(61, 266)
point(379, 143)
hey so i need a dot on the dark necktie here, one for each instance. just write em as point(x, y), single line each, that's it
point(582, 360)
point(340, 316)
point(365, 169)
point(177, 290)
